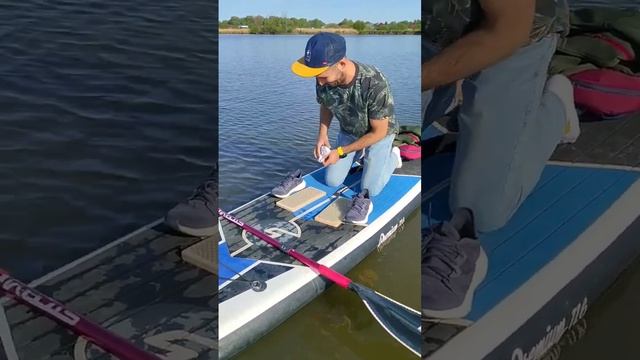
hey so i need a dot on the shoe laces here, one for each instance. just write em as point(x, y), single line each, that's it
point(440, 254)
point(360, 202)
point(291, 177)
point(205, 192)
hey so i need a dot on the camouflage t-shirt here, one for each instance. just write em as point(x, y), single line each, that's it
point(367, 97)
point(445, 21)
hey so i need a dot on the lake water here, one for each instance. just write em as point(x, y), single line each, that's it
point(108, 119)
point(268, 127)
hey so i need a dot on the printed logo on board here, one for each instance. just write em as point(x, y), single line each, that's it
point(552, 335)
point(385, 238)
point(284, 231)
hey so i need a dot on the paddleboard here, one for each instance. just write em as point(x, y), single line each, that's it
point(260, 287)
point(138, 286)
point(564, 246)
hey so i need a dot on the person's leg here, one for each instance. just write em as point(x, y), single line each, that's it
point(337, 173)
point(509, 126)
point(439, 102)
point(379, 164)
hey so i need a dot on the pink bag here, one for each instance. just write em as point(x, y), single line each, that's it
point(606, 93)
point(410, 152)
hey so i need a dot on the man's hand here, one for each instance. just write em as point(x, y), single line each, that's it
point(506, 27)
point(332, 158)
point(323, 140)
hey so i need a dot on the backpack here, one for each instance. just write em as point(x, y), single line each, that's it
point(408, 141)
point(606, 93)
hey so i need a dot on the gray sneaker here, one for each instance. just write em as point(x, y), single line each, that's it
point(452, 268)
point(361, 208)
point(292, 183)
point(197, 215)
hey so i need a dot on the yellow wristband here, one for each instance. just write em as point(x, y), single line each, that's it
point(340, 151)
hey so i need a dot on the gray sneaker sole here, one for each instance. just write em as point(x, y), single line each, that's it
point(197, 232)
point(482, 265)
point(299, 187)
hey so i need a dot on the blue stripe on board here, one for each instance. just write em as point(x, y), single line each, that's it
point(397, 187)
point(317, 180)
point(547, 232)
point(565, 202)
point(229, 266)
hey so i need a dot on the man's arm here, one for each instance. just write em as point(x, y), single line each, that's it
point(325, 121)
point(506, 27)
point(323, 132)
point(378, 131)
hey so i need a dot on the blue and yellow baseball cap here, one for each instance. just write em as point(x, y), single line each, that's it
point(323, 50)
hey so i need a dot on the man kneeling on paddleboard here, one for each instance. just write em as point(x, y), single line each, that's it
point(358, 95)
point(511, 119)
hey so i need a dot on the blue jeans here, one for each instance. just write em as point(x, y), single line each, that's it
point(509, 125)
point(379, 164)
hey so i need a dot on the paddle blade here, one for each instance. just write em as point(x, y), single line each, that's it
point(402, 322)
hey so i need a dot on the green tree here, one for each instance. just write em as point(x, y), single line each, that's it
point(234, 21)
point(346, 23)
point(359, 25)
point(316, 23)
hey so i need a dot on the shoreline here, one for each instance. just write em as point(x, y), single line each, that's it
point(307, 31)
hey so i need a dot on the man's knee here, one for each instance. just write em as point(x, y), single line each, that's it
point(492, 209)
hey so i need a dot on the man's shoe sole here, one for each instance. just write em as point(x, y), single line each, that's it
point(197, 232)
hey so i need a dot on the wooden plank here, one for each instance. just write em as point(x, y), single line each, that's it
point(334, 213)
point(301, 199)
point(203, 255)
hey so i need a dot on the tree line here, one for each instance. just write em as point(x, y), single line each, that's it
point(284, 25)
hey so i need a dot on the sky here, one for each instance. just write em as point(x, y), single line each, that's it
point(329, 11)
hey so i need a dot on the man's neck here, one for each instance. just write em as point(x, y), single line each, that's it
point(348, 74)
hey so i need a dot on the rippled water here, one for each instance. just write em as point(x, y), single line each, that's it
point(269, 117)
point(107, 118)
point(268, 126)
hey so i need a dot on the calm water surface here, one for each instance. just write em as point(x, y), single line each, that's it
point(107, 119)
point(268, 127)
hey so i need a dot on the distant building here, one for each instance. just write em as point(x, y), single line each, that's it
point(243, 27)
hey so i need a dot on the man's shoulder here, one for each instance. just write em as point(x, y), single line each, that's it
point(367, 70)
point(370, 77)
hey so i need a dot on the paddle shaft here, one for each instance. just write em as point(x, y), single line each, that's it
point(80, 325)
point(328, 273)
